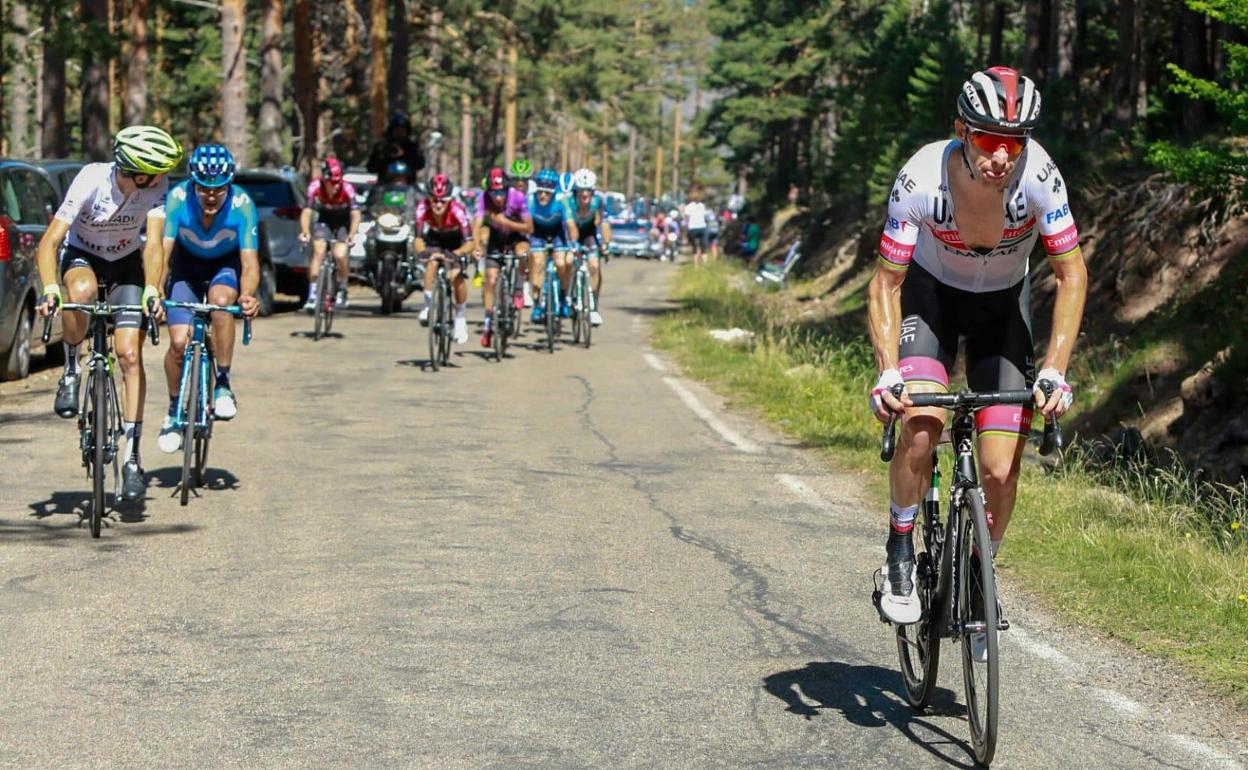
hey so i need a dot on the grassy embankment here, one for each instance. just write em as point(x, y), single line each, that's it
point(1146, 556)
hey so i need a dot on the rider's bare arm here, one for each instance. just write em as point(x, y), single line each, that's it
point(524, 226)
point(355, 224)
point(884, 315)
point(49, 247)
point(249, 282)
point(305, 224)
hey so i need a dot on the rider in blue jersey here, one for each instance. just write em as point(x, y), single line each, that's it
point(551, 217)
point(211, 255)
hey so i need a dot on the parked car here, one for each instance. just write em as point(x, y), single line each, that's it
point(27, 203)
point(278, 195)
point(62, 172)
point(631, 239)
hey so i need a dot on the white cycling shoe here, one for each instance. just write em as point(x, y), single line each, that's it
point(899, 607)
point(424, 316)
point(528, 295)
point(224, 407)
point(170, 439)
point(595, 318)
point(461, 330)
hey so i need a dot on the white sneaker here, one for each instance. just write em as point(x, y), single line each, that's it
point(224, 407)
point(595, 318)
point(424, 316)
point(461, 330)
point(310, 305)
point(341, 300)
point(169, 440)
point(528, 294)
point(902, 609)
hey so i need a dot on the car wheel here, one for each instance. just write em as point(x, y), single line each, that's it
point(267, 291)
point(16, 365)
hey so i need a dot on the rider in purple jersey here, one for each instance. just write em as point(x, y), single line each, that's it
point(502, 224)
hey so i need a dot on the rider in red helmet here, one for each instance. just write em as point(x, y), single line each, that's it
point(332, 199)
point(502, 224)
point(443, 233)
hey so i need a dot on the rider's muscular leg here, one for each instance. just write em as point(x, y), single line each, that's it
point(340, 259)
point(82, 288)
point(537, 270)
point(563, 261)
point(127, 344)
point(912, 463)
point(487, 297)
point(1000, 458)
point(595, 276)
point(318, 253)
point(460, 284)
point(178, 335)
point(222, 324)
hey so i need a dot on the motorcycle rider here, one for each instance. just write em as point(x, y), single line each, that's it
point(395, 192)
point(397, 144)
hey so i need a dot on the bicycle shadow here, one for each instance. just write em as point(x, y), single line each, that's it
point(215, 479)
point(76, 504)
point(424, 364)
point(324, 335)
point(871, 696)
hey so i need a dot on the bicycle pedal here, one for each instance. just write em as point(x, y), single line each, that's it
point(1003, 624)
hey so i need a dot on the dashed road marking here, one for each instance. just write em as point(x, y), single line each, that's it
point(1122, 702)
point(708, 417)
point(804, 492)
point(655, 362)
point(1038, 648)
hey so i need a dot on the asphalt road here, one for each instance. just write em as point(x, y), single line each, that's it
point(577, 560)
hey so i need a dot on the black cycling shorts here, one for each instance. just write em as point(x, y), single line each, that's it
point(123, 280)
point(996, 326)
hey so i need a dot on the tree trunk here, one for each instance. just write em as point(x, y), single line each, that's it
point(996, 36)
point(1195, 59)
point(1125, 74)
point(19, 107)
point(400, 52)
point(509, 97)
point(93, 85)
point(465, 139)
point(271, 84)
point(53, 133)
point(234, 81)
point(377, 67)
point(631, 188)
point(306, 91)
point(135, 107)
point(1036, 24)
point(433, 96)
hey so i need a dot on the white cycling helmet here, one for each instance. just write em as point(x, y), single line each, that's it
point(584, 179)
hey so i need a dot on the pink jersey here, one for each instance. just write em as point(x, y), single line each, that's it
point(455, 218)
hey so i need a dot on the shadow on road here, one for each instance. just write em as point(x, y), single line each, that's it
point(324, 335)
point(869, 696)
point(424, 364)
point(73, 506)
point(655, 310)
point(214, 478)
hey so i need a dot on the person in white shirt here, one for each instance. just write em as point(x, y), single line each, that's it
point(695, 224)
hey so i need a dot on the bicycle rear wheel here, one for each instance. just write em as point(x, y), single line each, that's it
point(99, 420)
point(550, 315)
point(191, 396)
point(447, 314)
point(982, 678)
point(330, 298)
point(435, 324)
point(203, 436)
point(322, 288)
point(587, 306)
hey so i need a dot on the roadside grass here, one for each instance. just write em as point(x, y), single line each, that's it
point(1153, 556)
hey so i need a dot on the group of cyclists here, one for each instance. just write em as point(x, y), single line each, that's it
point(209, 252)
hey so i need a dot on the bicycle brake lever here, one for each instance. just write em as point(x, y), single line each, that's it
point(153, 327)
point(889, 443)
point(246, 331)
point(1052, 438)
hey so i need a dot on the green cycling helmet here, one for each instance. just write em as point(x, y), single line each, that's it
point(146, 150)
point(521, 169)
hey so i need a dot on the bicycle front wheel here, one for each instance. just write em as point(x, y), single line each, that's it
point(977, 603)
point(322, 288)
point(447, 315)
point(504, 316)
point(583, 318)
point(918, 644)
point(191, 397)
point(435, 324)
point(550, 315)
point(202, 437)
point(100, 421)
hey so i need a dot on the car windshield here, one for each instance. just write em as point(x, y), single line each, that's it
point(268, 193)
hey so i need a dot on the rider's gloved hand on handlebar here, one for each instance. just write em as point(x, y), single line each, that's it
point(51, 300)
point(882, 402)
point(1060, 399)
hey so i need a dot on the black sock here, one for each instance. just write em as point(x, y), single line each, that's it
point(223, 376)
point(900, 546)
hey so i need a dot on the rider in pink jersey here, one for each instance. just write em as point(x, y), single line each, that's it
point(332, 199)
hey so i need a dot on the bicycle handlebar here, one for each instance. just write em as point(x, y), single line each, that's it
point(94, 309)
point(1052, 438)
point(204, 308)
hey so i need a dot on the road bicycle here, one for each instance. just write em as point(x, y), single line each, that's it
point(582, 300)
point(442, 311)
point(508, 302)
point(956, 583)
point(99, 418)
point(552, 292)
point(194, 413)
point(326, 296)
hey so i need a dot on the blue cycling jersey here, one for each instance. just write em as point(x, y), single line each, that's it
point(554, 213)
point(587, 217)
point(234, 227)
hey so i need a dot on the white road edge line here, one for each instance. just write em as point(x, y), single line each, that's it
point(708, 417)
point(1193, 746)
point(1121, 702)
point(655, 362)
point(804, 492)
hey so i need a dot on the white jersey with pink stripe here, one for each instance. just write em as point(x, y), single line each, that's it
point(921, 221)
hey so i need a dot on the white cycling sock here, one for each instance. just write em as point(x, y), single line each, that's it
point(902, 519)
point(459, 310)
point(428, 298)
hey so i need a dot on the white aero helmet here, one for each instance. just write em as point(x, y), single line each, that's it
point(584, 179)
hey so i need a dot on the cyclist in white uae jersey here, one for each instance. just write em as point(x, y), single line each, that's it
point(963, 218)
point(100, 220)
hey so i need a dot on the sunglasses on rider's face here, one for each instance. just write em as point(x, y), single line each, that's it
point(443, 201)
point(990, 143)
point(498, 193)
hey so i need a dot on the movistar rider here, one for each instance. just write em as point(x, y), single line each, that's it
point(211, 251)
point(551, 220)
point(963, 218)
point(99, 221)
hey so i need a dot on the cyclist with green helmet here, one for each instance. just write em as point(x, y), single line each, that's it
point(519, 174)
point(99, 222)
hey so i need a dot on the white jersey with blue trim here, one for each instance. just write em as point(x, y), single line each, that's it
point(921, 225)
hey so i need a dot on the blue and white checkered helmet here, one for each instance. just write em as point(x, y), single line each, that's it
point(211, 165)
